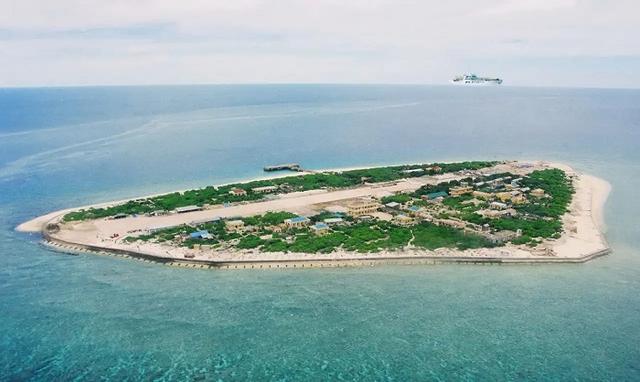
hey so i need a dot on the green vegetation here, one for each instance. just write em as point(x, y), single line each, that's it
point(531, 228)
point(249, 242)
point(556, 184)
point(219, 195)
point(541, 216)
point(430, 236)
point(399, 198)
point(536, 218)
point(270, 218)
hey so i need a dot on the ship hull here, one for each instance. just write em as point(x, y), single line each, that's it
point(477, 83)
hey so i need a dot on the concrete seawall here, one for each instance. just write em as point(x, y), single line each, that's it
point(73, 248)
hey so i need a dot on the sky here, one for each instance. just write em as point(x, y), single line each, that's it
point(578, 43)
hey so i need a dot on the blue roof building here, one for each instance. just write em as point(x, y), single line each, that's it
point(320, 228)
point(204, 234)
point(435, 195)
point(298, 221)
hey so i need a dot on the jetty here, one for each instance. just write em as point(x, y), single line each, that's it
point(285, 166)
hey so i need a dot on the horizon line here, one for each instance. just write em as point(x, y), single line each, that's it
point(186, 84)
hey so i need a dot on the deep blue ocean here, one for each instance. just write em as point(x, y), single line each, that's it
point(89, 317)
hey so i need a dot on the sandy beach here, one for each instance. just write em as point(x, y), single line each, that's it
point(582, 240)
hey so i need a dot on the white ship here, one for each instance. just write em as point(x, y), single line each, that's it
point(472, 79)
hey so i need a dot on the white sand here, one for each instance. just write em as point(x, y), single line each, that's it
point(583, 225)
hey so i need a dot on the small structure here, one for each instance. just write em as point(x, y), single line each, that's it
point(234, 225)
point(119, 216)
point(413, 210)
point(451, 223)
point(297, 222)
point(320, 229)
point(392, 205)
point(403, 220)
point(412, 171)
point(518, 199)
point(185, 209)
point(494, 214)
point(274, 228)
point(538, 193)
point(362, 207)
point(504, 196)
point(482, 195)
point(284, 166)
point(460, 190)
point(237, 192)
point(497, 206)
point(501, 236)
point(265, 189)
point(436, 195)
point(203, 234)
point(333, 221)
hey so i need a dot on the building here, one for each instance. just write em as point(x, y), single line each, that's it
point(234, 225)
point(494, 214)
point(362, 207)
point(413, 210)
point(297, 222)
point(237, 192)
point(451, 223)
point(265, 189)
point(460, 190)
point(518, 199)
point(436, 195)
point(392, 205)
point(275, 228)
point(501, 236)
point(538, 192)
point(403, 220)
point(333, 221)
point(412, 171)
point(498, 206)
point(204, 234)
point(185, 209)
point(504, 196)
point(320, 229)
point(482, 195)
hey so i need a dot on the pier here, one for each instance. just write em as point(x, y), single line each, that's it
point(285, 166)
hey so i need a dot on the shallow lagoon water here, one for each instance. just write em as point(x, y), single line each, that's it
point(88, 317)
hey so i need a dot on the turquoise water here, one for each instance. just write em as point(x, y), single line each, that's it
point(90, 317)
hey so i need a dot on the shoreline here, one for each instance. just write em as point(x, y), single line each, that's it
point(584, 240)
point(38, 223)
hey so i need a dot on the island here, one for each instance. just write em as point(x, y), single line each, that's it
point(471, 212)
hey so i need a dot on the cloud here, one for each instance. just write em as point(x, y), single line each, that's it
point(195, 41)
point(526, 6)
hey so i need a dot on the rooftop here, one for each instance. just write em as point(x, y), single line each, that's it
point(438, 194)
point(297, 219)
